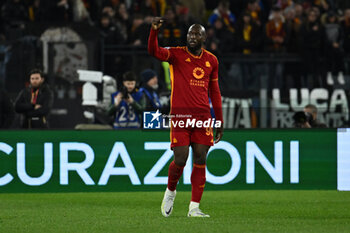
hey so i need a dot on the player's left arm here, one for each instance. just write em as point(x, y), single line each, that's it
point(215, 96)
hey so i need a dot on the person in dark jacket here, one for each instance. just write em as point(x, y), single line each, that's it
point(334, 49)
point(149, 90)
point(35, 102)
point(248, 38)
point(312, 45)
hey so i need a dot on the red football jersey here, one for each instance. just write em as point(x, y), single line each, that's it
point(193, 79)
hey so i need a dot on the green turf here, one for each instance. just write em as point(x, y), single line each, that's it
point(231, 211)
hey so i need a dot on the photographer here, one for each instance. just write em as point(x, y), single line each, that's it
point(307, 118)
point(301, 120)
point(127, 104)
point(312, 111)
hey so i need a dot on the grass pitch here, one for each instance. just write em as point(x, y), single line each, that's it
point(231, 211)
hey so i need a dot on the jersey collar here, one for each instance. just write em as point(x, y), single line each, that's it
point(194, 55)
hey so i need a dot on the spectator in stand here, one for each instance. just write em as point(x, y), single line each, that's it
point(283, 4)
point(248, 37)
point(79, 12)
point(255, 11)
point(276, 34)
point(14, 15)
point(123, 20)
point(225, 37)
point(212, 42)
point(139, 29)
point(92, 7)
point(299, 12)
point(276, 31)
point(109, 32)
point(111, 35)
point(35, 12)
point(150, 7)
point(108, 10)
point(184, 16)
point(223, 12)
point(248, 42)
point(57, 10)
point(334, 49)
point(35, 102)
point(293, 25)
point(195, 8)
point(312, 46)
point(346, 29)
point(7, 112)
point(172, 32)
point(111, 3)
point(323, 5)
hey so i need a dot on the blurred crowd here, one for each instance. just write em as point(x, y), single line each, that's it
point(245, 26)
point(317, 30)
point(311, 28)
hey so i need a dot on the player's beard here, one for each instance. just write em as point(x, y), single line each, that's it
point(195, 48)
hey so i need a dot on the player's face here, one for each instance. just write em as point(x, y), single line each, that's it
point(195, 37)
point(130, 85)
point(36, 80)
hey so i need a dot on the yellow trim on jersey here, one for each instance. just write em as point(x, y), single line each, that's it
point(171, 71)
point(168, 55)
point(214, 79)
point(194, 55)
point(171, 132)
point(212, 55)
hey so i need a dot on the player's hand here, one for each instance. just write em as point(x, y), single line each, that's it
point(219, 134)
point(157, 23)
point(37, 106)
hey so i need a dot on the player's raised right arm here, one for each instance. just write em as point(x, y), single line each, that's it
point(153, 48)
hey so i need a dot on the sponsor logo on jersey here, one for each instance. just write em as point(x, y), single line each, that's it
point(198, 73)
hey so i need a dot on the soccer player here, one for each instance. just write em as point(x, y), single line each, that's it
point(194, 75)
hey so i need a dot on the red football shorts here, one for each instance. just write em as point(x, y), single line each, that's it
point(184, 136)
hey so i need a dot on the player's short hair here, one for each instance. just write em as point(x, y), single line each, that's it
point(36, 71)
point(129, 76)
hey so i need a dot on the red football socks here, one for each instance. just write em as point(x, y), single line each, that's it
point(174, 175)
point(198, 182)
